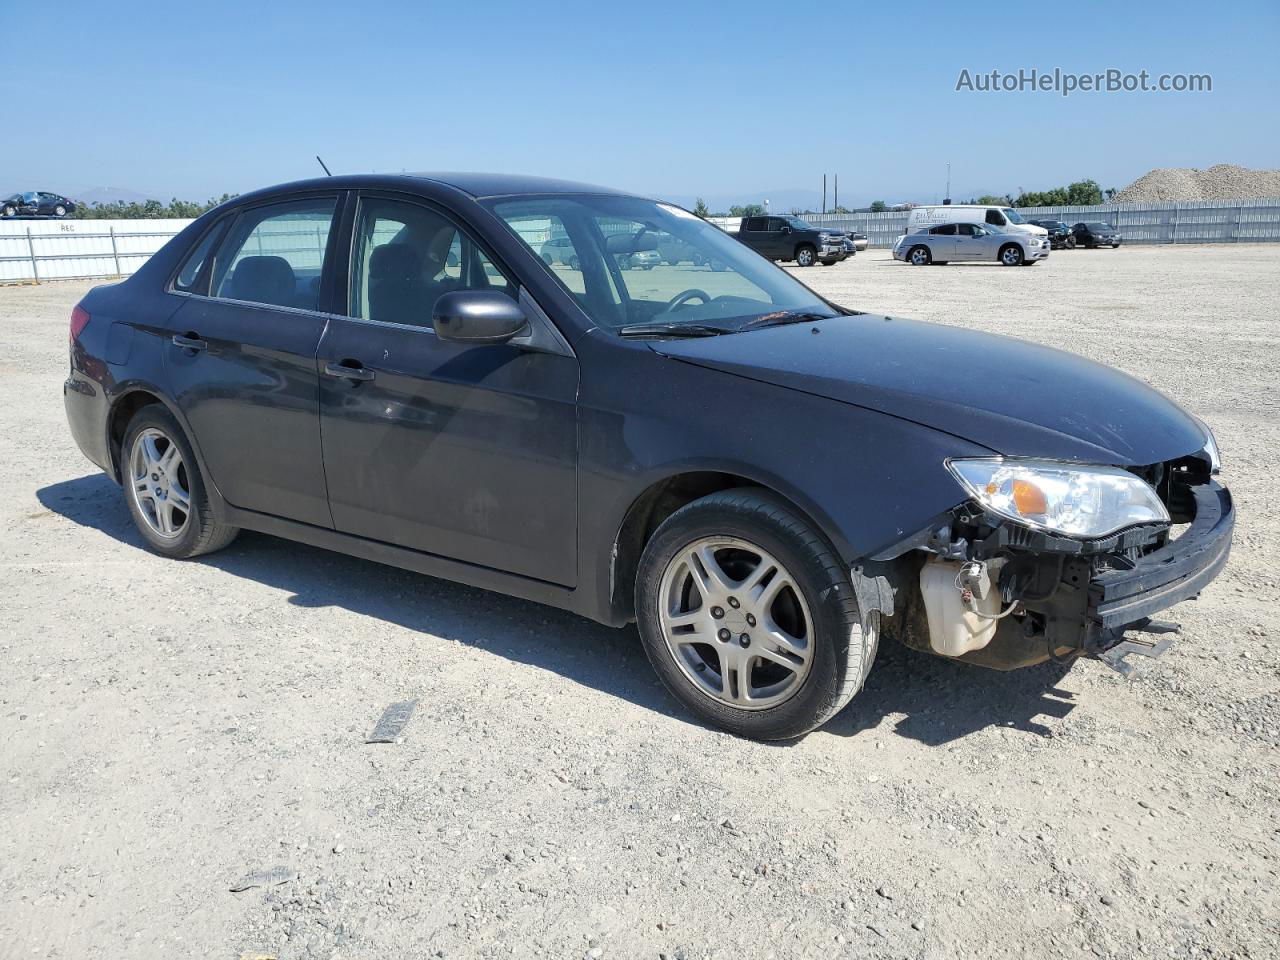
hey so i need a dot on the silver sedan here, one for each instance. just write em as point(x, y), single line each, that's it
point(971, 242)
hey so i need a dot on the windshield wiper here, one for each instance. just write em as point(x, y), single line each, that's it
point(782, 317)
point(671, 330)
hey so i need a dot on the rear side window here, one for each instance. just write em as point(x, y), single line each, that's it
point(946, 230)
point(192, 272)
point(754, 223)
point(274, 254)
point(996, 218)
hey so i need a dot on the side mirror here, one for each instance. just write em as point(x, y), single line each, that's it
point(477, 317)
point(786, 229)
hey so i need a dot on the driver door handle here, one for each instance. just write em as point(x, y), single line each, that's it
point(348, 370)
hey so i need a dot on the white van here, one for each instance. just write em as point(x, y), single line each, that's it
point(1006, 218)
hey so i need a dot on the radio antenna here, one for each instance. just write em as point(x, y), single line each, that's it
point(322, 166)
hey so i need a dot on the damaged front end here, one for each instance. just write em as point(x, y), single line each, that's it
point(991, 583)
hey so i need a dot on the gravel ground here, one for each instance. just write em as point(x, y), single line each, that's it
point(1224, 181)
point(169, 728)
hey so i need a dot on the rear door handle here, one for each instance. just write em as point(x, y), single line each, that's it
point(189, 341)
point(348, 370)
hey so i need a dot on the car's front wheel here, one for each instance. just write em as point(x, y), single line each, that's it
point(164, 489)
point(749, 617)
point(10, 212)
point(805, 255)
point(920, 256)
point(1011, 255)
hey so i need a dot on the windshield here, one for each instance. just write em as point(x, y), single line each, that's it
point(598, 249)
point(1011, 215)
point(798, 224)
point(1096, 227)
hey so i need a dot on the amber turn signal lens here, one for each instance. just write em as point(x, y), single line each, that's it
point(1029, 499)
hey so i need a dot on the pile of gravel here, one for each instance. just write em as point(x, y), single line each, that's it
point(1225, 181)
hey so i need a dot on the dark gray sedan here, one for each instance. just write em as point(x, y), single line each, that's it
point(764, 481)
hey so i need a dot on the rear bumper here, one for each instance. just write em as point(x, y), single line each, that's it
point(1176, 572)
point(87, 410)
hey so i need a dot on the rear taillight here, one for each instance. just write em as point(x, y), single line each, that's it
point(79, 320)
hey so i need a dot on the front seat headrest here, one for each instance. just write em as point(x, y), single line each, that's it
point(395, 261)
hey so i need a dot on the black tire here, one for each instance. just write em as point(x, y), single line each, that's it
point(1115, 246)
point(548, 259)
point(806, 255)
point(59, 211)
point(1011, 255)
point(1029, 263)
point(919, 256)
point(842, 650)
point(574, 263)
point(1069, 243)
point(202, 533)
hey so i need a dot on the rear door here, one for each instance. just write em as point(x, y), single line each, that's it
point(464, 451)
point(242, 360)
point(942, 242)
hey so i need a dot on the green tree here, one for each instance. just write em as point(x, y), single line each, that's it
point(700, 208)
point(1080, 193)
point(175, 209)
point(879, 206)
point(750, 210)
point(990, 199)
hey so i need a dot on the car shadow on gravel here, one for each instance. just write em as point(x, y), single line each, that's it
point(934, 700)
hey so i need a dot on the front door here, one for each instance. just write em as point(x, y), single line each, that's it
point(970, 243)
point(466, 452)
point(241, 362)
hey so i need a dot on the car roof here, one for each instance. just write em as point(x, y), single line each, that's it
point(476, 185)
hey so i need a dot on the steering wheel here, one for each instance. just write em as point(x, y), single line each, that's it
point(680, 299)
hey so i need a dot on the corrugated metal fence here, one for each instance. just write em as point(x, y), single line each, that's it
point(1246, 221)
point(66, 249)
point(63, 249)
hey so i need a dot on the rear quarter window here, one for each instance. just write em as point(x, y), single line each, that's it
point(191, 276)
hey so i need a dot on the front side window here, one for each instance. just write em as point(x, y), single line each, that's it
point(946, 230)
point(274, 254)
point(995, 218)
point(967, 230)
point(623, 278)
point(406, 256)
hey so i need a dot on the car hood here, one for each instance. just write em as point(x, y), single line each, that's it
point(1013, 397)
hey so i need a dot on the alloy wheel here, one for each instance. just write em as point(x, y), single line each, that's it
point(919, 257)
point(159, 484)
point(736, 623)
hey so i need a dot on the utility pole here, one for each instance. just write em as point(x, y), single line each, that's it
point(947, 198)
point(824, 193)
point(835, 197)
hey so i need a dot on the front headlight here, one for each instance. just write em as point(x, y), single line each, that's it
point(1211, 450)
point(1066, 498)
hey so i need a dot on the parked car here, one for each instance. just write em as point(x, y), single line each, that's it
point(37, 203)
point(675, 252)
point(859, 240)
point(640, 260)
point(559, 250)
point(764, 481)
point(1095, 233)
point(1004, 218)
point(850, 247)
point(790, 238)
point(971, 242)
point(1060, 235)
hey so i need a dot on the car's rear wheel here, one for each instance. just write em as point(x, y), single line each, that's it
point(1011, 255)
point(919, 256)
point(10, 211)
point(59, 211)
point(805, 255)
point(749, 617)
point(164, 489)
